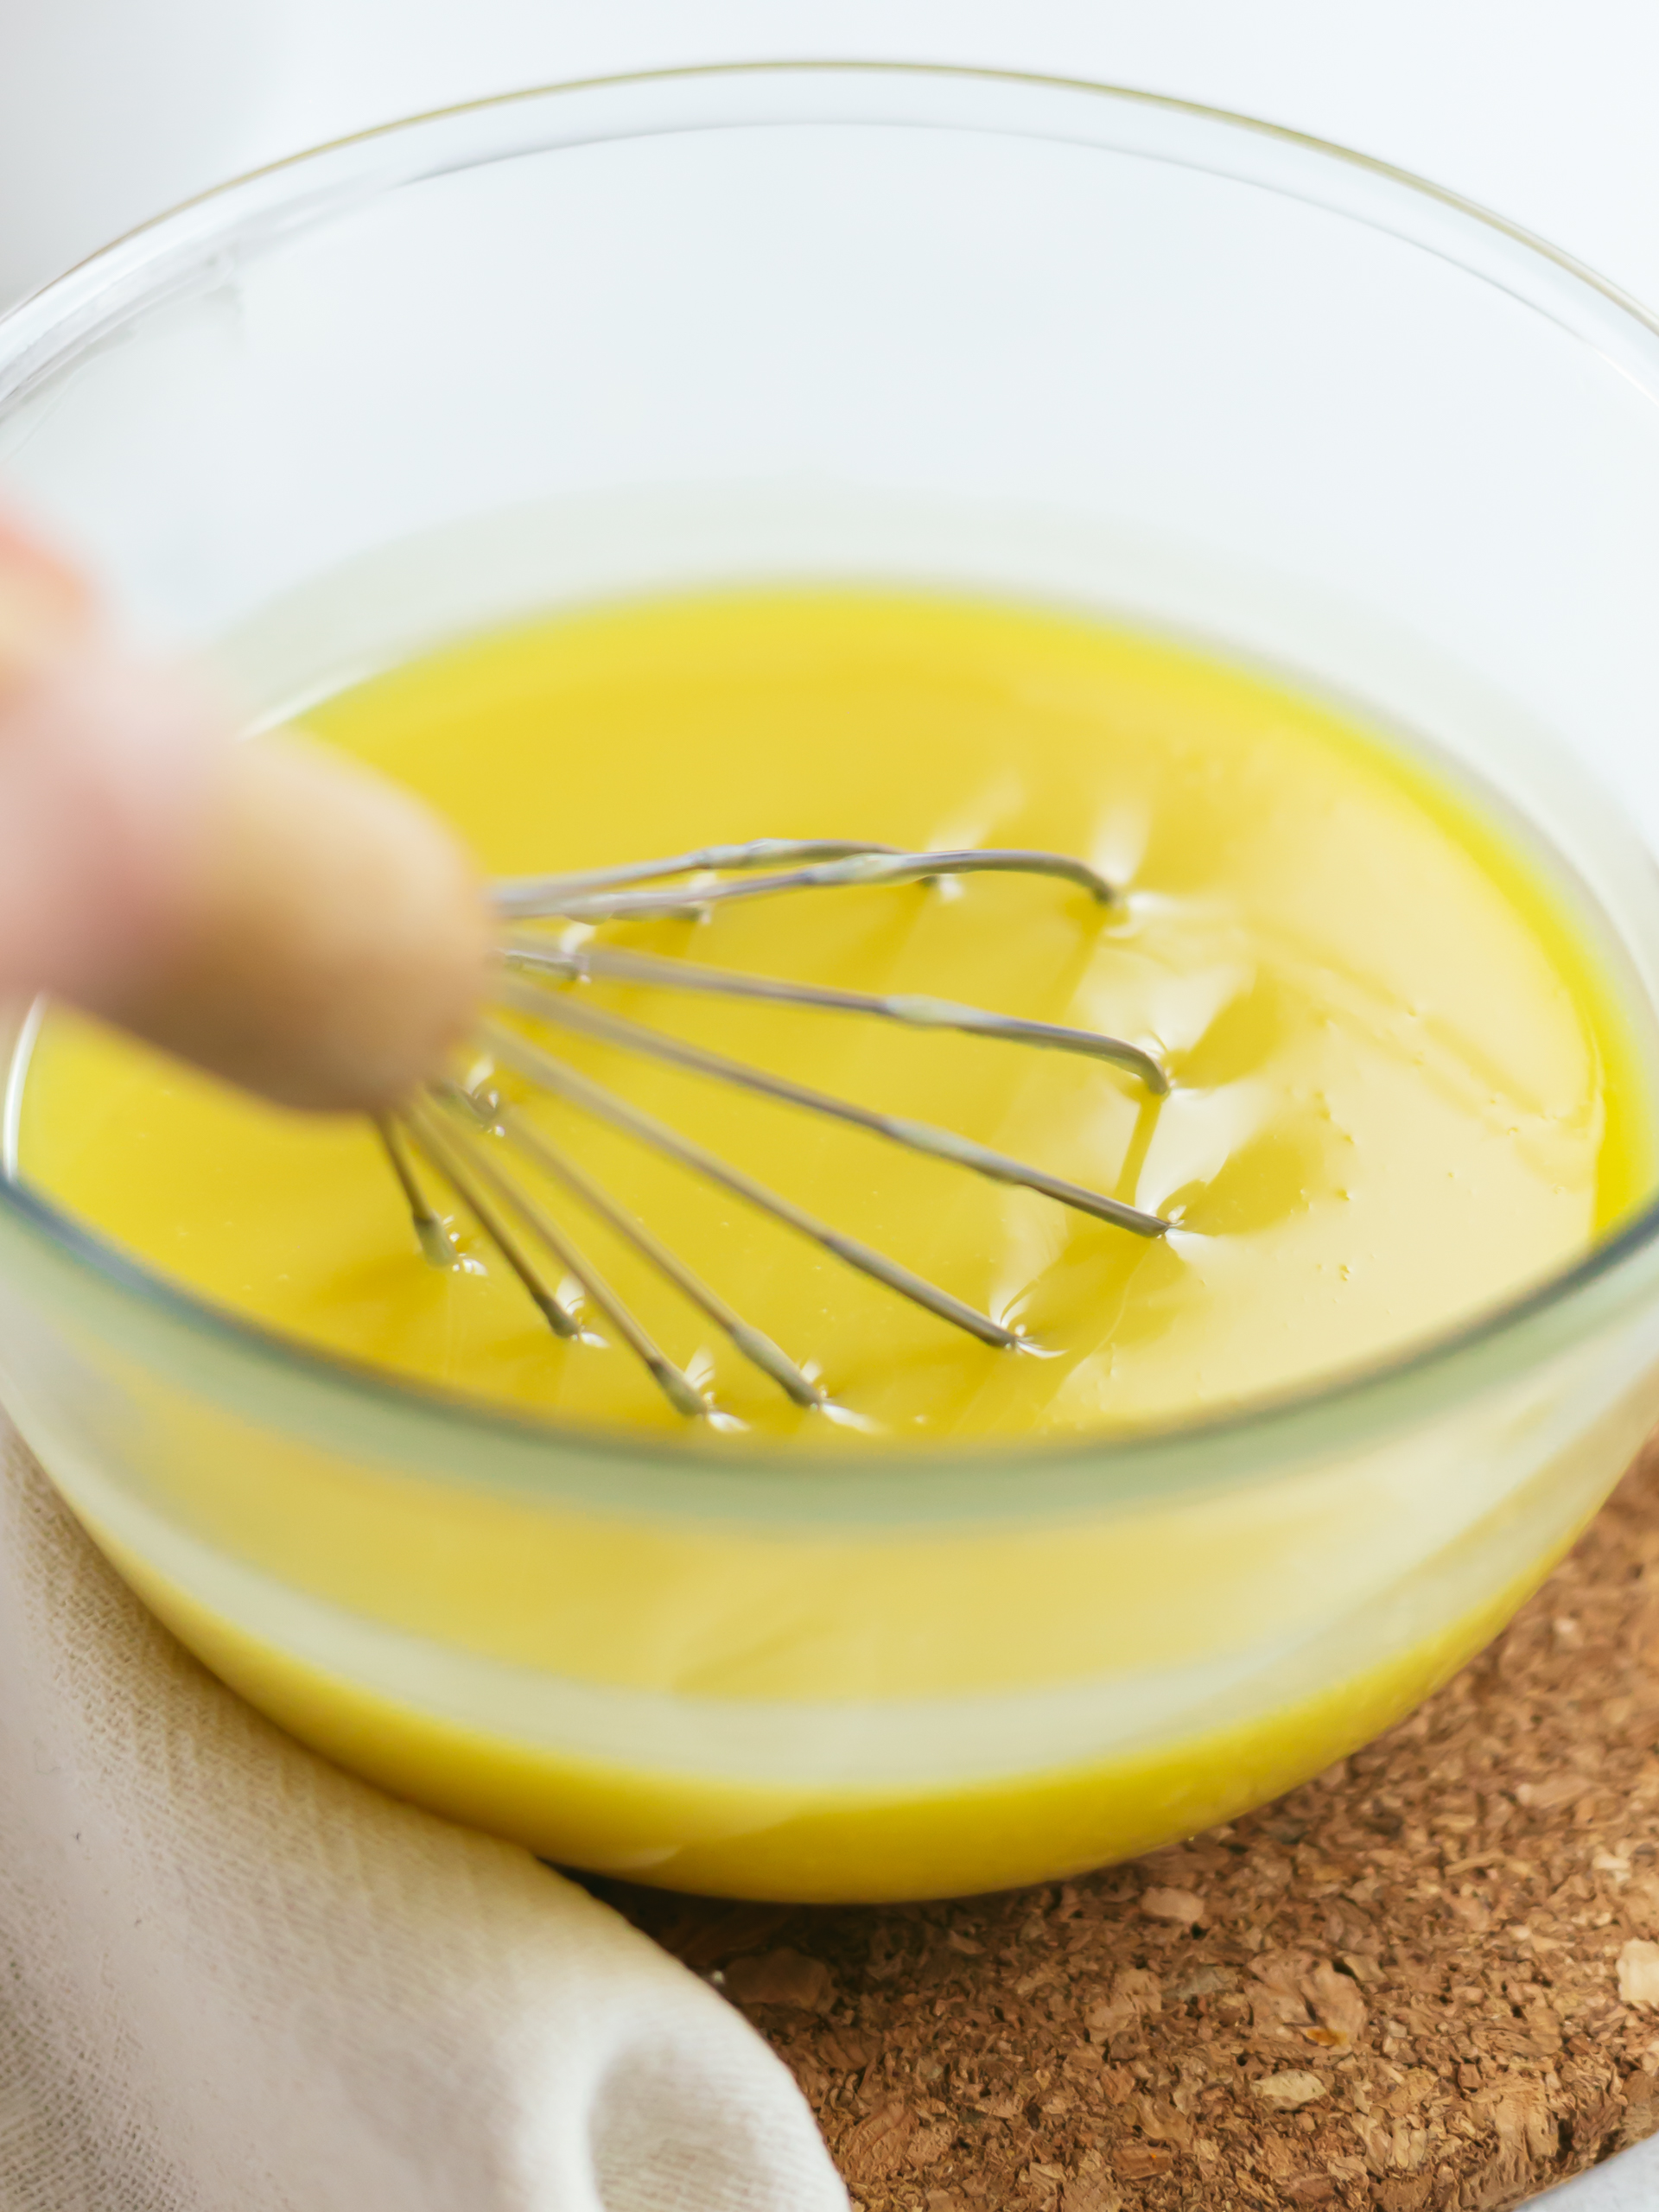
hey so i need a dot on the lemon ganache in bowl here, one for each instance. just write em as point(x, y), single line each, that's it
point(945, 462)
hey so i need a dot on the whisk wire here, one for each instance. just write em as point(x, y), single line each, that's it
point(456, 1171)
point(542, 897)
point(523, 896)
point(676, 1386)
point(915, 1136)
point(911, 1010)
point(752, 1343)
point(428, 1228)
point(485, 1149)
point(541, 1067)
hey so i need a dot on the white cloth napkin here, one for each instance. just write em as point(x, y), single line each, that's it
point(234, 1979)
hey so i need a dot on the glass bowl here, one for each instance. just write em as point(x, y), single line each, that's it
point(922, 326)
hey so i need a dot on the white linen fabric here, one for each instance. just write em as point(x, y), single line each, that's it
point(234, 1979)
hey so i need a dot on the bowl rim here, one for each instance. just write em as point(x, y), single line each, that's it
point(47, 333)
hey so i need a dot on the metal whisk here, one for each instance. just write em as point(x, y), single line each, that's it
point(504, 1170)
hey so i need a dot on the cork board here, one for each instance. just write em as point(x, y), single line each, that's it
point(1429, 1979)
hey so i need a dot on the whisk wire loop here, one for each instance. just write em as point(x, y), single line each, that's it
point(676, 1386)
point(602, 895)
point(552, 1161)
point(485, 1149)
point(542, 1068)
point(912, 1010)
point(915, 1136)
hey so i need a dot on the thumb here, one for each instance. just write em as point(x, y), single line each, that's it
point(270, 911)
point(103, 758)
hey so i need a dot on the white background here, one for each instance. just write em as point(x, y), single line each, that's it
point(112, 111)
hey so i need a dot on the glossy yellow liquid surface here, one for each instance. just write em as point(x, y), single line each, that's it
point(1400, 1090)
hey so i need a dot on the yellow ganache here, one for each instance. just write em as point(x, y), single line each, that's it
point(1401, 1088)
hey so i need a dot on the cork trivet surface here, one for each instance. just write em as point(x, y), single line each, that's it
point(1428, 1979)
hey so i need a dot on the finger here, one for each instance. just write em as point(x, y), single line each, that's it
point(330, 944)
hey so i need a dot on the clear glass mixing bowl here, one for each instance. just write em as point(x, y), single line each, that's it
point(1065, 342)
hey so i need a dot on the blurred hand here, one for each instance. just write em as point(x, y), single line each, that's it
point(104, 761)
point(270, 911)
